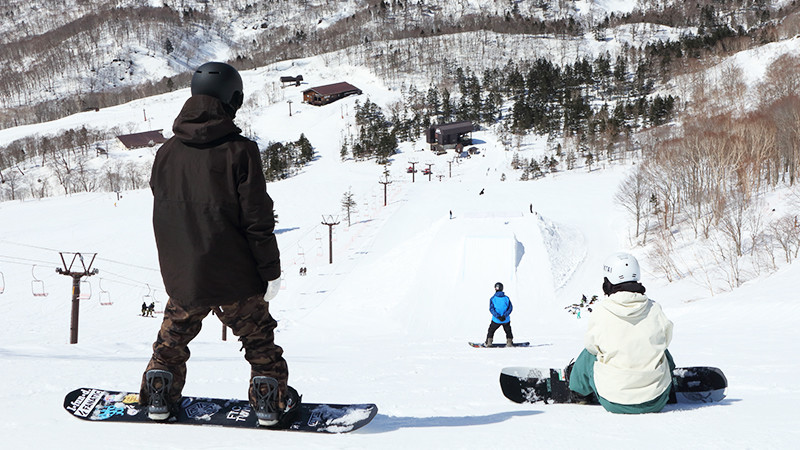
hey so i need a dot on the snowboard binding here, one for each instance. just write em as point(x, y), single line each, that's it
point(159, 384)
point(269, 410)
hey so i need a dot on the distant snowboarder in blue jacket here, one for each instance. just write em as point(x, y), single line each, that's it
point(500, 307)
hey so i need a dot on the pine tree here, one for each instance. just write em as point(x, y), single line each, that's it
point(306, 150)
point(348, 204)
point(433, 104)
point(447, 106)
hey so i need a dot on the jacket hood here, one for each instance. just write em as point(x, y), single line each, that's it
point(627, 304)
point(203, 120)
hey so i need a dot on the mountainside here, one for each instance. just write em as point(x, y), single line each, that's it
point(67, 56)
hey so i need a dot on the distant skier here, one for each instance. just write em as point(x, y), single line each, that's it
point(625, 364)
point(151, 308)
point(500, 307)
point(144, 309)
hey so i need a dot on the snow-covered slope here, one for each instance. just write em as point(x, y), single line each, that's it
point(388, 321)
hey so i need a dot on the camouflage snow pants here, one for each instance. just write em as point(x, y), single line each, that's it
point(249, 319)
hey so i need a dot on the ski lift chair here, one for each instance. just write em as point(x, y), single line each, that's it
point(86, 290)
point(105, 296)
point(37, 285)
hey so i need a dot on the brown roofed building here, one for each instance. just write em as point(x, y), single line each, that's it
point(449, 135)
point(322, 95)
point(140, 140)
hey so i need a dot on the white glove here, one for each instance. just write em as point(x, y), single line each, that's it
point(272, 289)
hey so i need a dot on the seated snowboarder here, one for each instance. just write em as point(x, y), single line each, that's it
point(625, 364)
point(500, 307)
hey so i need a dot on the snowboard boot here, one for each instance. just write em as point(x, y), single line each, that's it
point(509, 342)
point(159, 383)
point(673, 398)
point(568, 369)
point(579, 399)
point(488, 342)
point(270, 409)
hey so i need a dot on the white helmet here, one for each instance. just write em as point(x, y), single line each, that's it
point(621, 267)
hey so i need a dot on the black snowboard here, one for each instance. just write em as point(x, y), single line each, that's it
point(534, 385)
point(114, 406)
point(499, 344)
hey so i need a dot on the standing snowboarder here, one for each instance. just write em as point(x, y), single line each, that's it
point(625, 364)
point(214, 228)
point(500, 307)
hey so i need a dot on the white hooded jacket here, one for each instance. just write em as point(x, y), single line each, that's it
point(629, 333)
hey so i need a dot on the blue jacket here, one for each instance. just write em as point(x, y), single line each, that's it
point(500, 305)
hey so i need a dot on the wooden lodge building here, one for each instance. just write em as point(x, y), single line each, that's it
point(449, 135)
point(322, 95)
point(141, 140)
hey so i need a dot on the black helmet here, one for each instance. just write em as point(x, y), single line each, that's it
point(219, 80)
point(498, 286)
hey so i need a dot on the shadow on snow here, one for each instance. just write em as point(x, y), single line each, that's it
point(383, 423)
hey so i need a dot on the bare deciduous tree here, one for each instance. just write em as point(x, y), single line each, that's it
point(633, 196)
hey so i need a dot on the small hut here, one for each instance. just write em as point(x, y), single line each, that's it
point(291, 80)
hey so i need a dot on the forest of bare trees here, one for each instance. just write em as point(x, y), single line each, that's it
point(74, 68)
point(70, 158)
point(710, 186)
point(89, 48)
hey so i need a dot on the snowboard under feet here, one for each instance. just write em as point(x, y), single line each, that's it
point(499, 344)
point(115, 406)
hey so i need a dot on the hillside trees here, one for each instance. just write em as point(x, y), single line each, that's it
point(68, 159)
point(98, 75)
point(375, 136)
point(281, 160)
point(53, 80)
point(542, 98)
point(711, 179)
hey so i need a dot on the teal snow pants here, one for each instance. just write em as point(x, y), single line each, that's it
point(581, 380)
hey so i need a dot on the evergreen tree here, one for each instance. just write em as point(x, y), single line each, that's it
point(433, 104)
point(306, 150)
point(375, 139)
point(552, 165)
point(348, 204)
point(274, 161)
point(447, 107)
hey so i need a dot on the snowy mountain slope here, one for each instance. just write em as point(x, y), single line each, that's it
point(74, 55)
point(388, 321)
